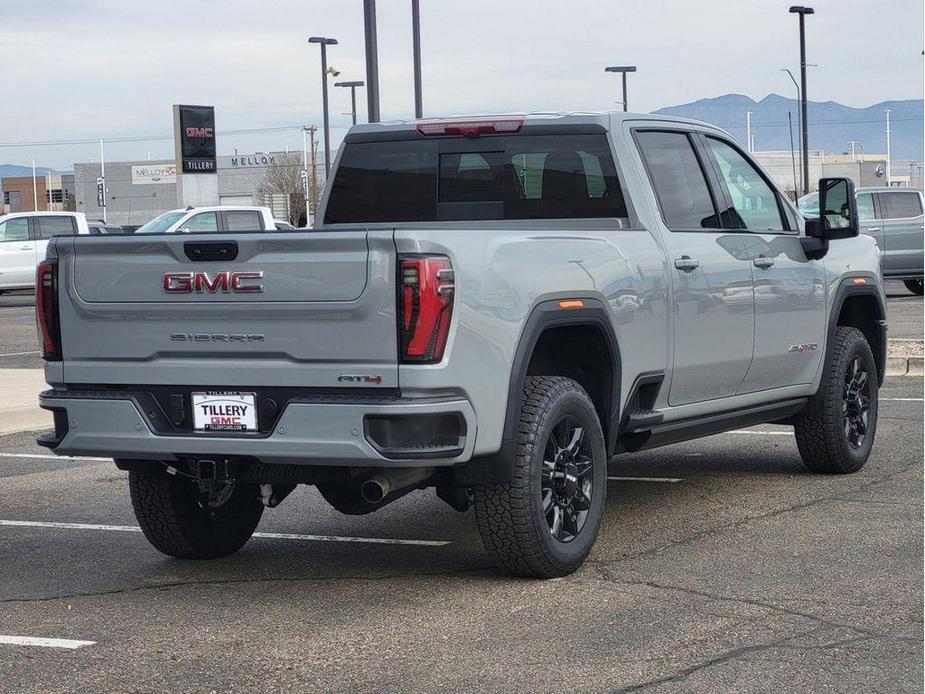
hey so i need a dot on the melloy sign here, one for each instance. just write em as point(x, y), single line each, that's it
point(148, 174)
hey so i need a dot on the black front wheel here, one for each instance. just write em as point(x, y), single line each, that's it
point(835, 432)
point(914, 286)
point(545, 521)
point(183, 519)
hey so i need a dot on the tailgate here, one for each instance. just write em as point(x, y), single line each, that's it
point(313, 309)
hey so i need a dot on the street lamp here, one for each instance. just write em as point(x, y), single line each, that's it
point(353, 96)
point(623, 70)
point(803, 11)
point(372, 60)
point(800, 116)
point(324, 42)
point(416, 50)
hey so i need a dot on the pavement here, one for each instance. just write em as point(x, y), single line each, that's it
point(722, 565)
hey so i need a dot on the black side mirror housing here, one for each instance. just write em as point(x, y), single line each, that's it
point(838, 216)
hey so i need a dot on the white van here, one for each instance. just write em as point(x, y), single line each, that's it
point(23, 238)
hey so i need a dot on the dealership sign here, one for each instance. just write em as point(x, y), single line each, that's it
point(246, 160)
point(195, 132)
point(147, 174)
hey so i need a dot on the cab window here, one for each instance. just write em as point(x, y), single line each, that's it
point(900, 205)
point(14, 230)
point(55, 226)
point(866, 207)
point(242, 220)
point(754, 203)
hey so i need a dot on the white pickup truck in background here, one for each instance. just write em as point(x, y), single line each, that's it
point(206, 219)
point(23, 239)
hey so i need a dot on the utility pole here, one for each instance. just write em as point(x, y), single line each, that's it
point(793, 161)
point(372, 60)
point(35, 192)
point(416, 46)
point(314, 179)
point(748, 130)
point(622, 69)
point(103, 176)
point(325, 42)
point(800, 116)
point(889, 178)
point(803, 11)
point(353, 97)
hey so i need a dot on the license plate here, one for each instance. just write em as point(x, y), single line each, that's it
point(224, 411)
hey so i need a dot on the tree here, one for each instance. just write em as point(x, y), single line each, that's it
point(284, 177)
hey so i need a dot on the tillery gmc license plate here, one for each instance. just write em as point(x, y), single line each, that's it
point(224, 411)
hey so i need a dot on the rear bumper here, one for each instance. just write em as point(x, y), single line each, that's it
point(306, 433)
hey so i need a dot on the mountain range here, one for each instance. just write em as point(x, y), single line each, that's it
point(7, 170)
point(831, 125)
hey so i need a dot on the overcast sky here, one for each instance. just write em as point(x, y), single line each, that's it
point(76, 69)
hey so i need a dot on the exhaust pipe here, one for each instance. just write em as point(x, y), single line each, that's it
point(379, 486)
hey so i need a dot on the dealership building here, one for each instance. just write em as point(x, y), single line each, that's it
point(139, 191)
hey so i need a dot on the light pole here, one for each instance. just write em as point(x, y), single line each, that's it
point(889, 179)
point(324, 42)
point(372, 60)
point(416, 46)
point(800, 116)
point(803, 11)
point(623, 69)
point(353, 96)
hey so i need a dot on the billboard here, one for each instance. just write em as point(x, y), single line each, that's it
point(195, 135)
point(148, 174)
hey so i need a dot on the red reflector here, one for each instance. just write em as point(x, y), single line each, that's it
point(471, 128)
point(425, 306)
point(46, 309)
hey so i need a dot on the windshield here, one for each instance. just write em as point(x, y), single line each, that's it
point(809, 204)
point(160, 224)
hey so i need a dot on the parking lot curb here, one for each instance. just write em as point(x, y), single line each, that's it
point(19, 410)
point(916, 366)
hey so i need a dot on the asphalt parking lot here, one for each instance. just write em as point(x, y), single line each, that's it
point(721, 565)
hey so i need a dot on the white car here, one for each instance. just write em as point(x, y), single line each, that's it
point(206, 219)
point(23, 238)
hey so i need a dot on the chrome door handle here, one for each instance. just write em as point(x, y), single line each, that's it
point(686, 264)
point(25, 248)
point(873, 229)
point(763, 263)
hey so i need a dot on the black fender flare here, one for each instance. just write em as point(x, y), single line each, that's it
point(848, 288)
point(497, 468)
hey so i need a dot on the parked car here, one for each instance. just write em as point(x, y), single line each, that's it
point(893, 217)
point(210, 219)
point(23, 239)
point(98, 227)
point(491, 307)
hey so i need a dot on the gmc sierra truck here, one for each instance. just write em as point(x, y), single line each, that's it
point(493, 307)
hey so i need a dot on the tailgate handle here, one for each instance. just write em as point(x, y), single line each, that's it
point(205, 251)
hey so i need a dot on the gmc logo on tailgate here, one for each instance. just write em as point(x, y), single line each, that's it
point(200, 282)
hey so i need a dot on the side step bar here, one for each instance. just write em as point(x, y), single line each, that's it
point(697, 427)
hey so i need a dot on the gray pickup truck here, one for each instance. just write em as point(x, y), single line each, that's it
point(493, 307)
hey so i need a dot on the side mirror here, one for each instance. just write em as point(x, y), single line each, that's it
point(838, 211)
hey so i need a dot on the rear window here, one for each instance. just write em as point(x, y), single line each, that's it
point(55, 226)
point(488, 178)
point(900, 205)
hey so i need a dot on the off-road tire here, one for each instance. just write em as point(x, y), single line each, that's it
point(173, 516)
point(510, 516)
point(914, 286)
point(820, 427)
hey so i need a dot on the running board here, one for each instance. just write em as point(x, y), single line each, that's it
point(697, 427)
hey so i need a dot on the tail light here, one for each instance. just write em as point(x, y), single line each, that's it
point(425, 307)
point(46, 309)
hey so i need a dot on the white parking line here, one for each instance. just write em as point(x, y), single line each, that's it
point(267, 536)
point(646, 479)
point(44, 643)
point(17, 354)
point(903, 399)
point(39, 456)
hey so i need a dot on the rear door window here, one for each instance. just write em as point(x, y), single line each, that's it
point(16, 229)
point(678, 179)
point(242, 220)
point(900, 205)
point(517, 177)
point(55, 226)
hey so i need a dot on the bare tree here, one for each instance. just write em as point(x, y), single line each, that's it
point(284, 177)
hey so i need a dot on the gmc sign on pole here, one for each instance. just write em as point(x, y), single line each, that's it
point(197, 138)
